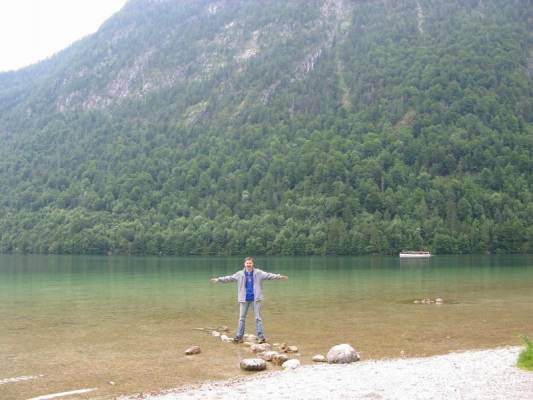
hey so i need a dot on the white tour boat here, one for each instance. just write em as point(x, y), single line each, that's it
point(415, 254)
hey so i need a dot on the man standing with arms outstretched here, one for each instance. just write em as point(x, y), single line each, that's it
point(249, 292)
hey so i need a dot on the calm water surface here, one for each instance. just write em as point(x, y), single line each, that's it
point(82, 322)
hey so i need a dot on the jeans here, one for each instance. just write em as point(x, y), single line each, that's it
point(243, 310)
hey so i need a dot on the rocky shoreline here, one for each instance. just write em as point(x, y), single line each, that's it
point(280, 354)
point(483, 374)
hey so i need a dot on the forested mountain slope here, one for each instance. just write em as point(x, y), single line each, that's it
point(276, 127)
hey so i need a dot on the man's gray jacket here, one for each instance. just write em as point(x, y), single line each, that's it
point(259, 276)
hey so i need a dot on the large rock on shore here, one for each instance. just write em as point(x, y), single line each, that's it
point(342, 354)
point(253, 364)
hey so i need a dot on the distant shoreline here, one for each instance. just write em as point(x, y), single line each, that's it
point(478, 374)
point(239, 256)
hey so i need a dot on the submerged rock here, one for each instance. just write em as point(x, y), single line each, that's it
point(342, 354)
point(279, 359)
point(428, 300)
point(288, 349)
point(225, 338)
point(291, 364)
point(253, 364)
point(193, 350)
point(319, 358)
point(268, 355)
point(257, 348)
point(250, 338)
point(215, 333)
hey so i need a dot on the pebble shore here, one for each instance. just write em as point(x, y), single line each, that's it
point(484, 374)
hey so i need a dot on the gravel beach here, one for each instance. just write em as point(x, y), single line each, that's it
point(485, 374)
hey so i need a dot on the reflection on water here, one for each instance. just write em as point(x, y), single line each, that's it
point(87, 321)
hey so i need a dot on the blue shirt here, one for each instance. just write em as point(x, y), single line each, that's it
point(249, 276)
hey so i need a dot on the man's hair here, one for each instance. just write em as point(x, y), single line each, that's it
point(249, 259)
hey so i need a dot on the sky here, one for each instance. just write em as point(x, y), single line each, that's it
point(32, 30)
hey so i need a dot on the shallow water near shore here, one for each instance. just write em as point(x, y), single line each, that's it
point(83, 322)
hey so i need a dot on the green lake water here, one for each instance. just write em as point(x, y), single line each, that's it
point(83, 322)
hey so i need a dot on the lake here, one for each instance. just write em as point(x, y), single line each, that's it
point(75, 322)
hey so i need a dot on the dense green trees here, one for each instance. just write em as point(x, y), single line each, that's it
point(404, 133)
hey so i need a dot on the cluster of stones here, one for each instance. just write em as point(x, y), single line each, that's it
point(340, 354)
point(278, 353)
point(275, 354)
point(428, 300)
point(219, 332)
point(225, 338)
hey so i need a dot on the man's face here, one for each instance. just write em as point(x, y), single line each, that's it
point(249, 265)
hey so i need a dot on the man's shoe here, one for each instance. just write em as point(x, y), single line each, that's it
point(262, 339)
point(237, 339)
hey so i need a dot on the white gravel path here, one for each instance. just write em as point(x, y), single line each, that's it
point(476, 375)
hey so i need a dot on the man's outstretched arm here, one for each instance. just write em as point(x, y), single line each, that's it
point(225, 279)
point(271, 276)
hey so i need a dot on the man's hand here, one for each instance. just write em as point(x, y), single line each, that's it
point(284, 277)
point(214, 280)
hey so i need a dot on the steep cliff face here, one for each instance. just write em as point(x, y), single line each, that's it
point(337, 126)
point(155, 45)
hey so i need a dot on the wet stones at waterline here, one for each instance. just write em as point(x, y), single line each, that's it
point(284, 347)
point(268, 355)
point(428, 300)
point(279, 359)
point(291, 364)
point(217, 332)
point(211, 329)
point(225, 338)
point(258, 348)
point(253, 364)
point(193, 350)
point(250, 338)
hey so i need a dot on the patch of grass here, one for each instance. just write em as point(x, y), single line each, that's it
point(525, 360)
